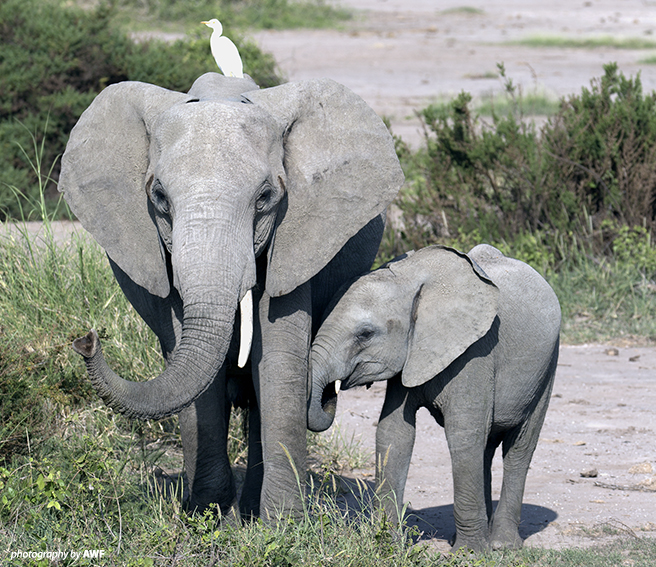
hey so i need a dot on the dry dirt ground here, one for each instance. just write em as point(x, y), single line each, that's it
point(399, 55)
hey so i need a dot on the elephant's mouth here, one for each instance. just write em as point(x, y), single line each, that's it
point(329, 394)
point(329, 398)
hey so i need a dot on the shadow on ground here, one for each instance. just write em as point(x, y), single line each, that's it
point(435, 522)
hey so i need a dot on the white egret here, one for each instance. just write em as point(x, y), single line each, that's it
point(224, 51)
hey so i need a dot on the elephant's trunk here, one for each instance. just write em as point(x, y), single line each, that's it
point(323, 397)
point(203, 346)
point(213, 268)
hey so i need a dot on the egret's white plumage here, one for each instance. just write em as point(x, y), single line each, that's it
point(224, 51)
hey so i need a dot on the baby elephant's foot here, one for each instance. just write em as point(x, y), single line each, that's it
point(505, 536)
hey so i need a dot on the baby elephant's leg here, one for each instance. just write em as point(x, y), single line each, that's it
point(518, 447)
point(395, 439)
point(467, 447)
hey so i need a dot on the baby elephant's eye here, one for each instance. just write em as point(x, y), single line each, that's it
point(365, 334)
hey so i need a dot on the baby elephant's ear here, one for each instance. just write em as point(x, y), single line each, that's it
point(454, 308)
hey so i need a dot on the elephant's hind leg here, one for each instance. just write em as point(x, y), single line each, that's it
point(249, 502)
point(518, 447)
point(492, 444)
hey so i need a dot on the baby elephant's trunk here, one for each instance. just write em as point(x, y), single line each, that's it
point(323, 397)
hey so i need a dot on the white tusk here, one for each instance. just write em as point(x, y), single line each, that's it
point(246, 328)
point(338, 385)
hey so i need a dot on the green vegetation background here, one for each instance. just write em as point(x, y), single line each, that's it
point(54, 61)
point(574, 198)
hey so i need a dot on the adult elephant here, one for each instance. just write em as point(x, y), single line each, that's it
point(200, 198)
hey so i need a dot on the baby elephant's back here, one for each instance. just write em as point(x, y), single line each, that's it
point(529, 328)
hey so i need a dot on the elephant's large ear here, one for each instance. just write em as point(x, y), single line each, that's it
point(455, 306)
point(341, 172)
point(103, 177)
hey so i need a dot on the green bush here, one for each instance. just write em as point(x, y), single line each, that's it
point(601, 153)
point(584, 179)
point(55, 59)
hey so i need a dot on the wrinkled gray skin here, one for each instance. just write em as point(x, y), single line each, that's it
point(199, 197)
point(472, 338)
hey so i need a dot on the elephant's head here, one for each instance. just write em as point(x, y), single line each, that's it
point(187, 189)
point(413, 316)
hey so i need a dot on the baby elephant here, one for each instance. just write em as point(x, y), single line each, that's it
point(473, 338)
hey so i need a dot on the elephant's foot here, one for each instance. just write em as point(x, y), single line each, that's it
point(221, 500)
point(505, 535)
point(249, 506)
point(477, 543)
point(282, 503)
point(388, 510)
point(227, 514)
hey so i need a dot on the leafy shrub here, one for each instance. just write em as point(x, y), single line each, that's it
point(602, 151)
point(548, 194)
point(54, 60)
point(634, 245)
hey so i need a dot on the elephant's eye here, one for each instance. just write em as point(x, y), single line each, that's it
point(264, 198)
point(159, 198)
point(365, 334)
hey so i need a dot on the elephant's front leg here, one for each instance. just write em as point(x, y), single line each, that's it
point(280, 372)
point(395, 439)
point(204, 432)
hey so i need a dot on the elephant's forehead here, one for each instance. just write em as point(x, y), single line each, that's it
point(370, 292)
point(214, 122)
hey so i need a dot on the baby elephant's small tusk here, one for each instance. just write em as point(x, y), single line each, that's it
point(338, 385)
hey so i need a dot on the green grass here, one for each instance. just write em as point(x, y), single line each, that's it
point(532, 104)
point(463, 10)
point(486, 75)
point(179, 15)
point(605, 300)
point(591, 42)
